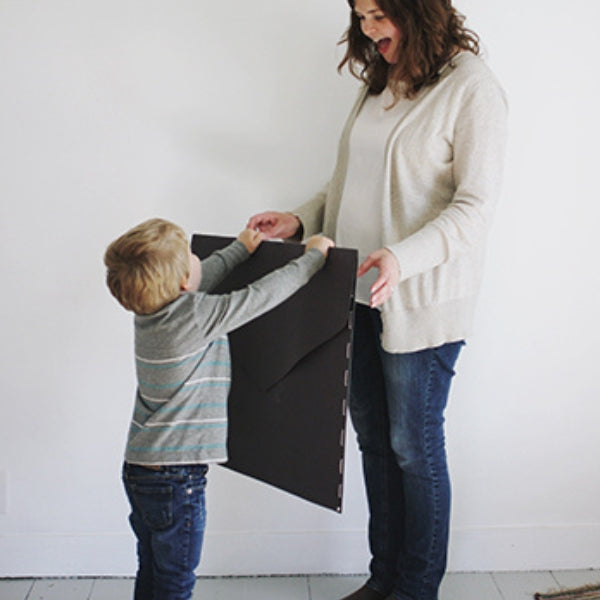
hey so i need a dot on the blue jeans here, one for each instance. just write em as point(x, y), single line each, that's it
point(397, 403)
point(168, 517)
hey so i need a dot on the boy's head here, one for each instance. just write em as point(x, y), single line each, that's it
point(148, 266)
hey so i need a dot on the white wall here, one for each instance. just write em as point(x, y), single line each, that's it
point(204, 112)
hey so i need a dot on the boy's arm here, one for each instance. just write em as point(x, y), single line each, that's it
point(220, 263)
point(220, 314)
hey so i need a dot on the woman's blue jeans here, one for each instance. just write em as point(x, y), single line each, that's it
point(168, 517)
point(397, 403)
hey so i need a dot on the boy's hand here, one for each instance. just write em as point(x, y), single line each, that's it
point(251, 239)
point(320, 242)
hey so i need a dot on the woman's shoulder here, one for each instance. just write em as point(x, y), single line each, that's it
point(468, 68)
point(468, 75)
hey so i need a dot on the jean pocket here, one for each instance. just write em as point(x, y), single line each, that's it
point(447, 355)
point(154, 504)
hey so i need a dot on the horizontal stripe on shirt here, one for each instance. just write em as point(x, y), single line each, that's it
point(175, 448)
point(179, 425)
point(178, 359)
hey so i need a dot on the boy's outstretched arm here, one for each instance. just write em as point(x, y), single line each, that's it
point(221, 314)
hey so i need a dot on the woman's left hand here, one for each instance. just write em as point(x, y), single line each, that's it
point(389, 275)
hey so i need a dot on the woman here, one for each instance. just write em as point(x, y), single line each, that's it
point(416, 180)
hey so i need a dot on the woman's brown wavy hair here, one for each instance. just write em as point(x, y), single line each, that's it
point(432, 32)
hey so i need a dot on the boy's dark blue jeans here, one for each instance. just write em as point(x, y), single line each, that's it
point(168, 516)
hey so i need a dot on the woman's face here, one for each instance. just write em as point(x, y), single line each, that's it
point(377, 27)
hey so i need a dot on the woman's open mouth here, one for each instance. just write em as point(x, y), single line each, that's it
point(383, 45)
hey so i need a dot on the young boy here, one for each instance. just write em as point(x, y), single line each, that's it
point(179, 424)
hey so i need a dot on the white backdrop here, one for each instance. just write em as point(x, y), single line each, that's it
point(202, 112)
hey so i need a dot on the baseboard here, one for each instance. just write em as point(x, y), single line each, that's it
point(525, 548)
point(256, 553)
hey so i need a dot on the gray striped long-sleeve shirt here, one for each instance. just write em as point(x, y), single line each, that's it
point(183, 362)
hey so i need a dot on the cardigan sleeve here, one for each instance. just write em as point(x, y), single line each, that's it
point(479, 140)
point(311, 213)
point(319, 214)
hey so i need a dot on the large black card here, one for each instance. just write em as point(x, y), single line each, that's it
point(291, 374)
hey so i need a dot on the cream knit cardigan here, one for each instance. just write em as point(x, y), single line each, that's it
point(442, 173)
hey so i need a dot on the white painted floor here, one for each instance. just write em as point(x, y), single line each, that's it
point(456, 586)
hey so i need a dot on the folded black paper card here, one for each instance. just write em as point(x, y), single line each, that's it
point(291, 374)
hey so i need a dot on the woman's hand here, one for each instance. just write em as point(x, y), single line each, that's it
point(251, 239)
point(389, 275)
point(275, 224)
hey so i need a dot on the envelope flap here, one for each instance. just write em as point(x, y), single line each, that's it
point(273, 344)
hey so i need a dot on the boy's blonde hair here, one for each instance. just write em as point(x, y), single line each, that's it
point(147, 265)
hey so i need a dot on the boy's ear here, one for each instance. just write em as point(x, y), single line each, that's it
point(191, 283)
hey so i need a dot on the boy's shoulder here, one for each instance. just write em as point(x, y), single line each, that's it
point(174, 327)
point(172, 313)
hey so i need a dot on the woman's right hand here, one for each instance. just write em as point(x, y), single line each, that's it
point(275, 224)
point(389, 275)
